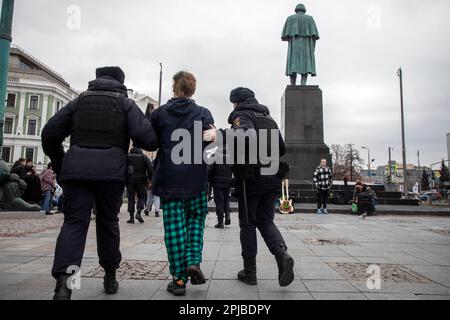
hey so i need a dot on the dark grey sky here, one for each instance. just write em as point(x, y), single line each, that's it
point(237, 43)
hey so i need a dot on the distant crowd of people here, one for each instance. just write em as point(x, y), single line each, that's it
point(42, 189)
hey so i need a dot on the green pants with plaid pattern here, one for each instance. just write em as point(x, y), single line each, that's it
point(184, 224)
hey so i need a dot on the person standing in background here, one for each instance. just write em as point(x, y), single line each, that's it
point(323, 181)
point(48, 185)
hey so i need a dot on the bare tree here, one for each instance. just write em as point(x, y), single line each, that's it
point(346, 162)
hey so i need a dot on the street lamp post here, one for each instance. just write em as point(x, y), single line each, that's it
point(160, 84)
point(369, 161)
point(405, 171)
point(390, 164)
point(418, 168)
point(351, 163)
point(6, 17)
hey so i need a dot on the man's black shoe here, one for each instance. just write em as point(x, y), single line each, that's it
point(62, 291)
point(131, 221)
point(110, 283)
point(146, 212)
point(196, 275)
point(48, 213)
point(227, 219)
point(248, 275)
point(139, 217)
point(157, 214)
point(285, 269)
point(177, 287)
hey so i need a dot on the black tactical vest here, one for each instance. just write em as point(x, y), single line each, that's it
point(260, 120)
point(99, 121)
point(136, 168)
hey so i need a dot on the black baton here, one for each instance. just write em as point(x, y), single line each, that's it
point(244, 201)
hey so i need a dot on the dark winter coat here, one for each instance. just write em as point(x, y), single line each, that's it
point(241, 119)
point(138, 177)
point(185, 180)
point(220, 175)
point(89, 163)
point(19, 170)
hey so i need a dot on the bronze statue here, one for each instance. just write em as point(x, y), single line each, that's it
point(301, 32)
point(11, 191)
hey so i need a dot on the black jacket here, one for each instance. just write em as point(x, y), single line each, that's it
point(242, 119)
point(95, 164)
point(147, 174)
point(183, 180)
point(19, 170)
point(220, 175)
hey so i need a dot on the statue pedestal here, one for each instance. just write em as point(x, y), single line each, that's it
point(302, 128)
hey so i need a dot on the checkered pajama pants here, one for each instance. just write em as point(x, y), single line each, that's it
point(184, 224)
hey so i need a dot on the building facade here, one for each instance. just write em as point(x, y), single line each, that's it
point(34, 94)
point(146, 104)
point(414, 174)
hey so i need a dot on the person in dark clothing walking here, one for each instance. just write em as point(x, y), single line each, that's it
point(256, 204)
point(181, 183)
point(220, 178)
point(139, 173)
point(100, 123)
point(323, 181)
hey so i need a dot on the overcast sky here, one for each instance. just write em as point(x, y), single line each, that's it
point(237, 43)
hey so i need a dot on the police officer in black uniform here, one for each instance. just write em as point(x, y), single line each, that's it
point(256, 203)
point(100, 123)
point(220, 178)
point(139, 174)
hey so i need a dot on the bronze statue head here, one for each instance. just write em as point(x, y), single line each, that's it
point(301, 7)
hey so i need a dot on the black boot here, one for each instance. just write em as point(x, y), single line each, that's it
point(139, 217)
point(227, 219)
point(131, 221)
point(248, 275)
point(110, 283)
point(146, 212)
point(177, 287)
point(157, 214)
point(285, 268)
point(196, 275)
point(219, 224)
point(62, 291)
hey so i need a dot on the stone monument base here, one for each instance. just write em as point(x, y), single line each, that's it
point(304, 159)
point(302, 127)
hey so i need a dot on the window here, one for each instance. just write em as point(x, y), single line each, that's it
point(11, 100)
point(24, 66)
point(8, 125)
point(34, 100)
point(6, 154)
point(29, 153)
point(32, 127)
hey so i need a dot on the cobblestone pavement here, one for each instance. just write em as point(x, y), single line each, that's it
point(332, 255)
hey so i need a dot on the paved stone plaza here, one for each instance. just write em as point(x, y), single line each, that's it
point(331, 255)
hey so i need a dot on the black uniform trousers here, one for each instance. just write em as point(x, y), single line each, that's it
point(79, 198)
point(139, 189)
point(261, 213)
point(222, 201)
